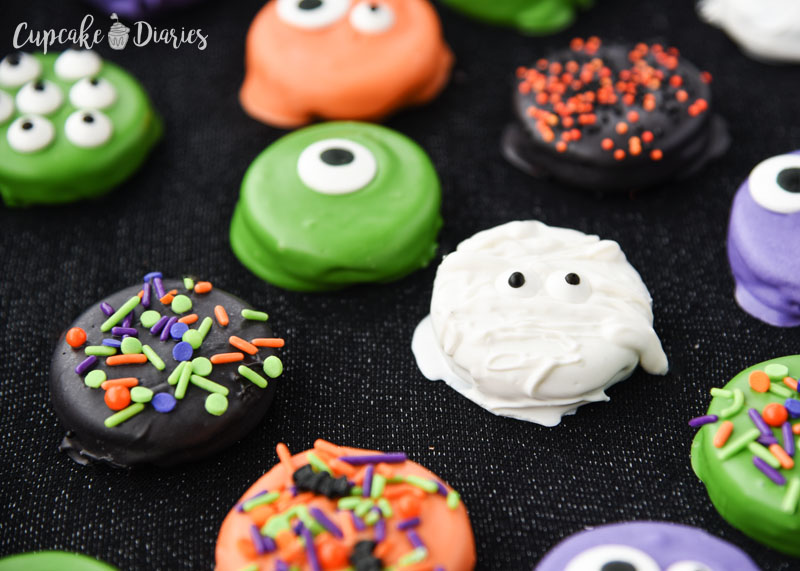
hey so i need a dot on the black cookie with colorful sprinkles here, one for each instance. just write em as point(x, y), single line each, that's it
point(163, 373)
point(613, 118)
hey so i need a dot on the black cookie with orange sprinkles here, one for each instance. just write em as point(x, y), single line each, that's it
point(613, 117)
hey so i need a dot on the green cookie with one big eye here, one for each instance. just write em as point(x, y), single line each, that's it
point(72, 126)
point(336, 204)
point(534, 17)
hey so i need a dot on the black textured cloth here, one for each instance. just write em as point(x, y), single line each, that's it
point(350, 374)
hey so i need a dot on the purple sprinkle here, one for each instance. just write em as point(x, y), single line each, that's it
point(86, 364)
point(440, 488)
point(358, 523)
point(167, 327)
point(788, 438)
point(755, 416)
point(128, 320)
point(163, 402)
point(408, 523)
point(112, 343)
point(311, 551)
point(107, 309)
point(268, 543)
point(177, 330)
point(415, 539)
point(281, 565)
point(156, 329)
point(767, 440)
point(793, 407)
point(255, 535)
point(438, 568)
point(701, 420)
point(769, 471)
point(151, 275)
point(391, 458)
point(293, 490)
point(146, 294)
point(367, 486)
point(120, 331)
point(380, 530)
point(182, 351)
point(325, 522)
point(159, 287)
point(240, 506)
point(298, 527)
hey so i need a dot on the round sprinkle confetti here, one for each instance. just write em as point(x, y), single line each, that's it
point(792, 406)
point(141, 394)
point(759, 381)
point(95, 378)
point(131, 345)
point(182, 351)
point(193, 337)
point(118, 397)
point(216, 404)
point(163, 402)
point(776, 371)
point(177, 330)
point(273, 367)
point(181, 304)
point(202, 366)
point(775, 414)
point(149, 318)
point(76, 337)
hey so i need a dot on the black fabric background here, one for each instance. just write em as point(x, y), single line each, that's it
point(350, 375)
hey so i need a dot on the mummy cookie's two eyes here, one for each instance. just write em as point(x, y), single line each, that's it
point(368, 17)
point(775, 184)
point(624, 558)
point(570, 287)
point(336, 166)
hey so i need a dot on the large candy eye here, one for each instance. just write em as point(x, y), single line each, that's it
point(19, 68)
point(41, 97)
point(372, 17)
point(517, 283)
point(312, 13)
point(336, 166)
point(6, 106)
point(75, 64)
point(86, 128)
point(94, 93)
point(689, 566)
point(568, 286)
point(612, 558)
point(30, 133)
point(775, 184)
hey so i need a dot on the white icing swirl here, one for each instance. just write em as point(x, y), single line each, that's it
point(539, 355)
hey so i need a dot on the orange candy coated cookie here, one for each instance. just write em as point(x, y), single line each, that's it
point(342, 59)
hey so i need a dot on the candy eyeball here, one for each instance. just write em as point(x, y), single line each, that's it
point(88, 128)
point(312, 14)
point(40, 97)
point(92, 93)
point(372, 17)
point(568, 286)
point(19, 68)
point(76, 64)
point(613, 558)
point(6, 106)
point(775, 184)
point(336, 166)
point(30, 133)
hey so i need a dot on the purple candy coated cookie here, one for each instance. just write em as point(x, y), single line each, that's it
point(645, 546)
point(138, 8)
point(764, 239)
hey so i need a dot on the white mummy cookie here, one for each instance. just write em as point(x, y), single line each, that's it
point(531, 321)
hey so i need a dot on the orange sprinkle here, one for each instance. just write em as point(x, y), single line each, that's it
point(221, 315)
point(790, 382)
point(787, 463)
point(607, 144)
point(133, 359)
point(260, 514)
point(384, 470)
point(409, 506)
point(76, 337)
point(576, 44)
point(167, 299)
point(420, 566)
point(656, 154)
point(622, 128)
point(332, 553)
point(647, 137)
point(561, 146)
point(247, 548)
point(242, 345)
point(347, 525)
point(286, 459)
point(284, 539)
point(723, 433)
point(222, 358)
point(329, 447)
point(775, 414)
point(681, 95)
point(796, 428)
point(759, 381)
point(705, 77)
point(117, 397)
point(173, 292)
point(403, 490)
point(676, 81)
point(633, 116)
point(140, 294)
point(203, 287)
point(635, 145)
point(189, 319)
point(121, 382)
point(276, 342)
point(619, 154)
point(341, 467)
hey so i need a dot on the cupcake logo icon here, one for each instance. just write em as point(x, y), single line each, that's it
point(118, 34)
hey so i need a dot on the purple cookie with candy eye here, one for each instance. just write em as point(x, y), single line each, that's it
point(139, 8)
point(764, 241)
point(645, 546)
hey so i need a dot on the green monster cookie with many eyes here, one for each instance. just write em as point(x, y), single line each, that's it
point(533, 17)
point(337, 204)
point(72, 126)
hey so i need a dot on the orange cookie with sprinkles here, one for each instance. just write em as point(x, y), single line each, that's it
point(336, 508)
point(163, 373)
point(613, 117)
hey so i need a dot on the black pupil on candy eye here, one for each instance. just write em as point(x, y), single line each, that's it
point(337, 157)
point(618, 566)
point(88, 118)
point(789, 179)
point(14, 59)
point(516, 280)
point(374, 7)
point(39, 85)
point(27, 126)
point(573, 279)
point(309, 4)
point(94, 81)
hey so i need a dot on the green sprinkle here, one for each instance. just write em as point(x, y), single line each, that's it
point(792, 495)
point(252, 566)
point(176, 373)
point(760, 451)
point(315, 462)
point(100, 350)
point(119, 314)
point(181, 304)
point(130, 346)
point(216, 403)
point(349, 503)
point(124, 414)
point(423, 484)
point(188, 283)
point(183, 382)
point(781, 390)
point(273, 367)
point(149, 318)
point(396, 480)
point(735, 407)
point(202, 366)
point(378, 485)
point(141, 394)
point(261, 500)
point(363, 507)
point(205, 327)
point(453, 499)
point(372, 517)
point(252, 376)
point(735, 446)
point(359, 491)
point(419, 554)
point(308, 520)
point(207, 385)
point(275, 525)
point(776, 372)
point(193, 337)
point(95, 378)
point(724, 393)
point(154, 358)
point(385, 507)
point(254, 315)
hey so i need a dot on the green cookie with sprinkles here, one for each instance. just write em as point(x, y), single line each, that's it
point(163, 372)
point(744, 452)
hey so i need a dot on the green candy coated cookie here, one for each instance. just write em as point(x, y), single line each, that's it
point(741, 493)
point(62, 171)
point(50, 560)
point(534, 17)
point(336, 204)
